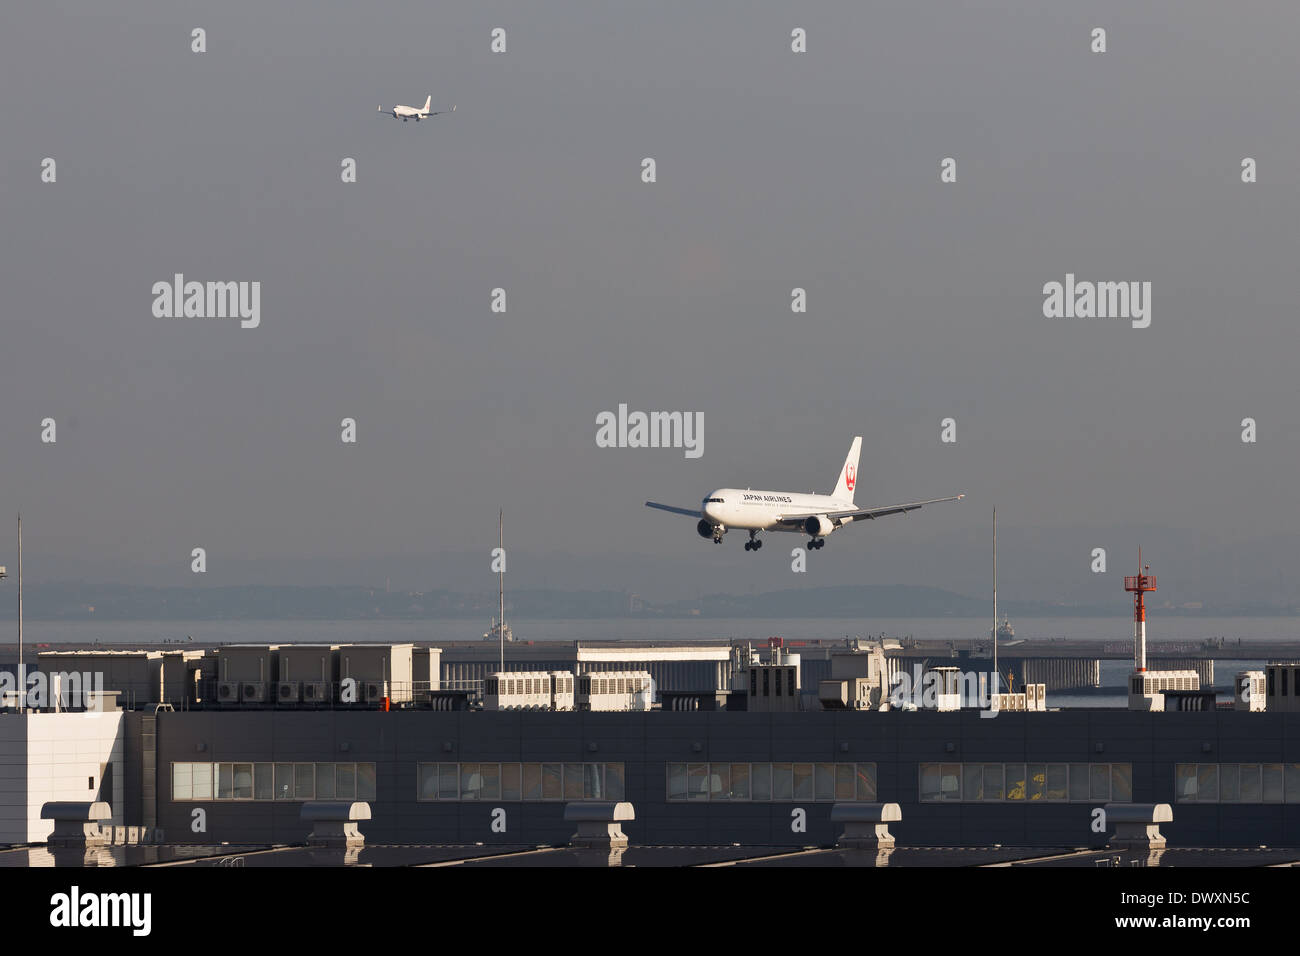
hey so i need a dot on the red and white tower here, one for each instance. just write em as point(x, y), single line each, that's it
point(1139, 584)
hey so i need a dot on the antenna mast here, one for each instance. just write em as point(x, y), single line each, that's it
point(1139, 584)
point(501, 535)
point(997, 679)
point(22, 677)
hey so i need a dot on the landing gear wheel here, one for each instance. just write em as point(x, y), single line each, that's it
point(749, 546)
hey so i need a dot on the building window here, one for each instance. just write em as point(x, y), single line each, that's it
point(304, 781)
point(523, 782)
point(1018, 782)
point(1237, 783)
point(770, 782)
point(265, 782)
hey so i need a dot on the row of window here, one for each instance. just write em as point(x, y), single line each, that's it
point(273, 781)
point(519, 781)
point(692, 782)
point(771, 781)
point(1237, 783)
point(1047, 782)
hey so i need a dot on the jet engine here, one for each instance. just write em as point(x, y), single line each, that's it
point(818, 526)
point(707, 530)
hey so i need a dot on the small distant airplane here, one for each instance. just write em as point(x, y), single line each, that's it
point(813, 515)
point(409, 112)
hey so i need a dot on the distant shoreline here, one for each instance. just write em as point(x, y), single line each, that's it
point(960, 630)
point(100, 603)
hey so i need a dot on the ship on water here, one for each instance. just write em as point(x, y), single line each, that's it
point(500, 630)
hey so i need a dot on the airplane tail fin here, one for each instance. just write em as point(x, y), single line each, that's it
point(428, 102)
point(848, 480)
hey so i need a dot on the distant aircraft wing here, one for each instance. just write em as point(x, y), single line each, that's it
point(689, 512)
point(440, 112)
point(865, 514)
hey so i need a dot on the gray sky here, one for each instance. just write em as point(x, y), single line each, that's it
point(775, 170)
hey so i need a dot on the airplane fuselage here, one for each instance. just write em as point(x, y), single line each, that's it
point(750, 509)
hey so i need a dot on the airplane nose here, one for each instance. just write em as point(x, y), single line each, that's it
point(711, 511)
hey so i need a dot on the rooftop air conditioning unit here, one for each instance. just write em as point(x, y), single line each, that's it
point(315, 692)
point(287, 692)
point(252, 692)
point(376, 690)
point(227, 691)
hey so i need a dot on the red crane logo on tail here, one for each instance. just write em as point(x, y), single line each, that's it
point(850, 476)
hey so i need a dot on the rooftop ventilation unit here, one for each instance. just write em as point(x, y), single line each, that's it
point(315, 692)
point(252, 692)
point(288, 692)
point(227, 691)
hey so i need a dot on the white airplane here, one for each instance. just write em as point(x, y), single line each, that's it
point(409, 112)
point(813, 515)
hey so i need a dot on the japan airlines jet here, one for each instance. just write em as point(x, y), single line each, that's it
point(813, 515)
point(409, 112)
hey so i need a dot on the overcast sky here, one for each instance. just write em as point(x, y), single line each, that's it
point(775, 170)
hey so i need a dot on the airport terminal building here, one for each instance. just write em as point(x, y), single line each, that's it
point(227, 745)
point(716, 778)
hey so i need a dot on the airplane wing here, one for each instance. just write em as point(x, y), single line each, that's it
point(689, 512)
point(864, 514)
point(440, 112)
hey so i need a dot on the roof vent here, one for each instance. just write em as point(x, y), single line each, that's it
point(866, 825)
point(599, 823)
point(77, 824)
point(334, 823)
point(1137, 825)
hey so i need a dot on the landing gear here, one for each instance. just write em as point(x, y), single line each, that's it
point(753, 544)
point(815, 544)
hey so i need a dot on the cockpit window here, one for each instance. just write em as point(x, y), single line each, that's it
point(714, 500)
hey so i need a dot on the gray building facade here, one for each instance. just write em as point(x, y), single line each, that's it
point(716, 778)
